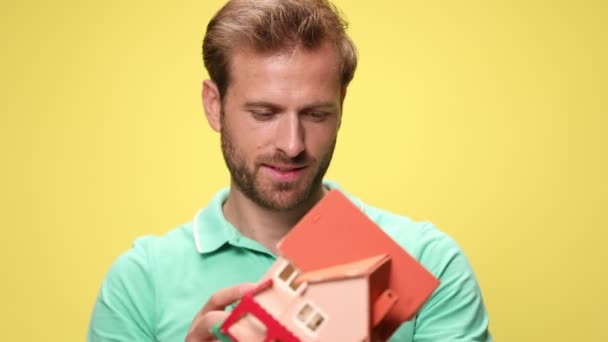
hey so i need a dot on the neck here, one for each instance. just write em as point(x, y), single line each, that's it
point(266, 226)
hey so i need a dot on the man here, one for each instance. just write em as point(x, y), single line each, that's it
point(279, 72)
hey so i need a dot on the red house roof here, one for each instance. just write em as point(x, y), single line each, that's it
point(359, 268)
point(335, 232)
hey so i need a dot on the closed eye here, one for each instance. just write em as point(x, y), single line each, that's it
point(262, 115)
point(318, 115)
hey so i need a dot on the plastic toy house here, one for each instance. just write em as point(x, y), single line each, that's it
point(339, 278)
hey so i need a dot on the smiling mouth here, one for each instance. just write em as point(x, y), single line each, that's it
point(285, 173)
point(282, 168)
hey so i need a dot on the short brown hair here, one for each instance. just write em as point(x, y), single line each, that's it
point(274, 25)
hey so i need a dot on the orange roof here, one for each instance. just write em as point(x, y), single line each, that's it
point(360, 268)
point(336, 232)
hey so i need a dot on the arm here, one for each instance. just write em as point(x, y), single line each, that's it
point(455, 311)
point(125, 306)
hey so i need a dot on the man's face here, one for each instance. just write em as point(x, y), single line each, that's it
point(279, 123)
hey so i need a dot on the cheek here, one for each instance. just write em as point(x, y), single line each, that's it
point(247, 136)
point(320, 141)
point(253, 142)
point(259, 137)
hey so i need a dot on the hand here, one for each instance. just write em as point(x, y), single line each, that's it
point(213, 313)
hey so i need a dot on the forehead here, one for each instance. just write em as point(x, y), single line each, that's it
point(295, 71)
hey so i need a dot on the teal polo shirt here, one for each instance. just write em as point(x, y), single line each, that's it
point(153, 291)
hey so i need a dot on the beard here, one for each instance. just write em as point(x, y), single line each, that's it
point(272, 195)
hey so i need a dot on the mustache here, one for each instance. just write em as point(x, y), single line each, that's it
point(281, 158)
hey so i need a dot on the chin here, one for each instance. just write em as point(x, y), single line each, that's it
point(284, 196)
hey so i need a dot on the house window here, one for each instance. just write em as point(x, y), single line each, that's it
point(293, 284)
point(310, 317)
point(315, 322)
point(305, 312)
point(288, 274)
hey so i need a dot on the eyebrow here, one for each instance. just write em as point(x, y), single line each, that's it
point(263, 104)
point(314, 105)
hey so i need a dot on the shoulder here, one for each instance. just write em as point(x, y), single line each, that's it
point(126, 305)
point(456, 308)
point(152, 252)
point(415, 236)
point(425, 242)
point(179, 238)
point(135, 275)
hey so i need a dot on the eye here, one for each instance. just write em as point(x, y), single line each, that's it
point(262, 115)
point(316, 115)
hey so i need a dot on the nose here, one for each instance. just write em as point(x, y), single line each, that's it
point(290, 135)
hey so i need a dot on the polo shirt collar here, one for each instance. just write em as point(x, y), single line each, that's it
point(211, 229)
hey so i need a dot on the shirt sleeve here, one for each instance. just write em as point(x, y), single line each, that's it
point(124, 310)
point(455, 311)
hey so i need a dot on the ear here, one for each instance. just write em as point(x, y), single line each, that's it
point(342, 97)
point(212, 104)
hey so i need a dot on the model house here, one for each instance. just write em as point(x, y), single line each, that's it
point(339, 278)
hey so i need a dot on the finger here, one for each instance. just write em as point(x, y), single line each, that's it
point(200, 331)
point(225, 297)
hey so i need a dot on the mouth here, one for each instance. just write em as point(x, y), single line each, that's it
point(285, 173)
point(285, 168)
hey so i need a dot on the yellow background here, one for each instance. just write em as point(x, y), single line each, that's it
point(486, 117)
